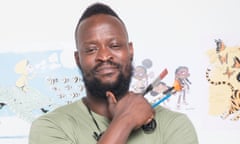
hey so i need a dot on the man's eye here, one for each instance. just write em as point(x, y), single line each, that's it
point(90, 50)
point(115, 46)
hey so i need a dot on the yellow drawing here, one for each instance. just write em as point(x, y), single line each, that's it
point(224, 88)
point(23, 68)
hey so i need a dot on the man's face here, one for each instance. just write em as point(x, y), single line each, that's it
point(104, 55)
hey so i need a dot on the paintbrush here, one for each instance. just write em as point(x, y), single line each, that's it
point(156, 82)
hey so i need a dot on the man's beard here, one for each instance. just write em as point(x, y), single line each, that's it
point(119, 88)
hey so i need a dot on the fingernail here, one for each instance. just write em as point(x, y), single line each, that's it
point(108, 93)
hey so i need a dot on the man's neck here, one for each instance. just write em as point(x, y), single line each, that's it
point(99, 107)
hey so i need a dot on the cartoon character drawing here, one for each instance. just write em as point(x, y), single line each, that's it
point(141, 76)
point(24, 69)
point(181, 84)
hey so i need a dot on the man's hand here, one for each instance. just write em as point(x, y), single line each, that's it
point(133, 109)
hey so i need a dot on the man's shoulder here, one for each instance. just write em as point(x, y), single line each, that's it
point(168, 114)
point(174, 119)
point(69, 107)
point(62, 111)
point(163, 110)
point(175, 123)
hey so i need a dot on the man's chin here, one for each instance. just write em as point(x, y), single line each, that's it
point(108, 79)
point(108, 82)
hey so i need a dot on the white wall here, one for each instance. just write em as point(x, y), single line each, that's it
point(170, 33)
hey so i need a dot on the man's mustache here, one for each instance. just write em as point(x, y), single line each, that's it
point(106, 63)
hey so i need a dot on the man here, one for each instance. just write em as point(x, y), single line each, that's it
point(110, 113)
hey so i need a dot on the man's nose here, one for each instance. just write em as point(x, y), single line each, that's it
point(104, 54)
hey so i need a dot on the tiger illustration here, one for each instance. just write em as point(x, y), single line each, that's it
point(234, 107)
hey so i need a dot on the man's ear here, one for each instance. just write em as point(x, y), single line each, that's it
point(76, 56)
point(131, 51)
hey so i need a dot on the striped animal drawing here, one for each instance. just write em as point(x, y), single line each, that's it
point(234, 107)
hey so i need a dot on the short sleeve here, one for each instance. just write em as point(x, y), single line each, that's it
point(180, 131)
point(44, 131)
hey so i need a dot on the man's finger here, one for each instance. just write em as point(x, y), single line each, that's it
point(111, 98)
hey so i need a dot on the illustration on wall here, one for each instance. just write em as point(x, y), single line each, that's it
point(35, 83)
point(182, 85)
point(178, 90)
point(223, 76)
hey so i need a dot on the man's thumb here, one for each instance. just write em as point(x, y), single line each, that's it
point(111, 98)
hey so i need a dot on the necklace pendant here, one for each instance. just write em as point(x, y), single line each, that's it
point(97, 136)
point(150, 127)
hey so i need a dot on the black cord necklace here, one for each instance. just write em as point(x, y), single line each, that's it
point(96, 135)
